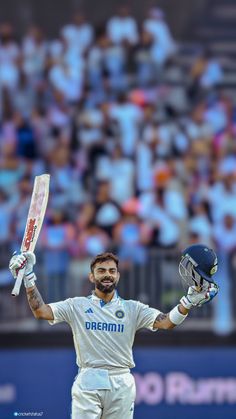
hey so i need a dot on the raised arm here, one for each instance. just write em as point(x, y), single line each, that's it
point(178, 314)
point(39, 309)
point(163, 320)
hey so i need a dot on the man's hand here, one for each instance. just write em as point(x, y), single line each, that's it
point(28, 260)
point(195, 298)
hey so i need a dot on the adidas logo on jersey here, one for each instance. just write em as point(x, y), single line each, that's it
point(89, 310)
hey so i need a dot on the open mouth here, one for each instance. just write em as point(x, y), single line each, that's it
point(107, 282)
point(106, 285)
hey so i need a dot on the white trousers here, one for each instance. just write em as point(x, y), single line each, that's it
point(115, 403)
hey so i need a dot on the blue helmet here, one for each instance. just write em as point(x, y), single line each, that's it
point(198, 264)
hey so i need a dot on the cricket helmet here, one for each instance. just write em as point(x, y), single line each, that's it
point(198, 264)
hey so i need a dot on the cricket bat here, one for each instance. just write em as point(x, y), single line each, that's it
point(34, 222)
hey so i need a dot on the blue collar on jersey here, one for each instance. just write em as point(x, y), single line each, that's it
point(94, 297)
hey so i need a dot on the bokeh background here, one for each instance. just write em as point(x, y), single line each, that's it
point(131, 109)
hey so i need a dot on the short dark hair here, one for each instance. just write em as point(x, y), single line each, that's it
point(103, 257)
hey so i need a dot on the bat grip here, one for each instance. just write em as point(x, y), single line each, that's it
point(16, 289)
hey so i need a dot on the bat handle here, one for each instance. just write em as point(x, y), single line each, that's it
point(16, 289)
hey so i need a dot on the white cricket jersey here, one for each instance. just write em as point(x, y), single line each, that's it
point(104, 333)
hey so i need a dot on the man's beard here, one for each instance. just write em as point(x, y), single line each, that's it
point(105, 288)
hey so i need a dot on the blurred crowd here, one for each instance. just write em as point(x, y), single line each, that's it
point(141, 150)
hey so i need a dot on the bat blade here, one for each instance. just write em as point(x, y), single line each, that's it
point(34, 222)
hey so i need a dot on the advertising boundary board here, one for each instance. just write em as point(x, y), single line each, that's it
point(171, 383)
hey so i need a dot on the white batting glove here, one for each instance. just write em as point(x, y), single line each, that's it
point(195, 298)
point(28, 260)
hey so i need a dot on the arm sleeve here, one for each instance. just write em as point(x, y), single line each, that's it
point(146, 317)
point(62, 311)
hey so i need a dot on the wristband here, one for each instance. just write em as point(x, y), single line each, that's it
point(176, 317)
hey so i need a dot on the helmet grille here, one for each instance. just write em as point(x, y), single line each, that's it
point(189, 274)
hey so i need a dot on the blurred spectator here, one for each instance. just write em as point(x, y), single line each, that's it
point(128, 117)
point(90, 124)
point(95, 61)
point(66, 186)
point(78, 35)
point(12, 168)
point(222, 198)
point(108, 212)
point(200, 223)
point(196, 125)
point(144, 167)
point(153, 210)
point(57, 235)
point(163, 44)
point(120, 171)
point(216, 113)
point(131, 237)
point(9, 57)
point(122, 28)
point(25, 137)
point(115, 57)
point(24, 97)
point(143, 59)
point(34, 54)
point(225, 233)
point(58, 113)
point(205, 73)
point(93, 240)
point(67, 77)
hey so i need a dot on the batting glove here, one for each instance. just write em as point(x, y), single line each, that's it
point(27, 260)
point(195, 298)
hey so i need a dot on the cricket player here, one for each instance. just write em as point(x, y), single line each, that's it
point(104, 327)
